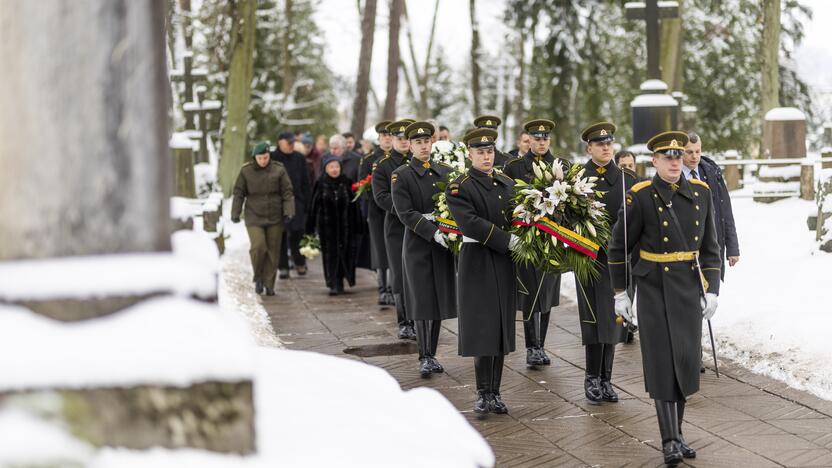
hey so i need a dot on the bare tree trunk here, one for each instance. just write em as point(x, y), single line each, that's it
point(411, 87)
point(393, 59)
point(286, 67)
point(770, 83)
point(238, 93)
point(672, 40)
point(85, 169)
point(475, 46)
point(365, 59)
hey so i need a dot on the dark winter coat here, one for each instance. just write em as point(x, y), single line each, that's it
point(430, 292)
point(537, 291)
point(726, 229)
point(486, 286)
point(338, 223)
point(266, 192)
point(393, 227)
point(668, 293)
point(295, 165)
point(595, 298)
point(500, 159)
point(375, 215)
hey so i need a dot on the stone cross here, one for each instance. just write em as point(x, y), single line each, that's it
point(651, 11)
point(190, 76)
point(203, 110)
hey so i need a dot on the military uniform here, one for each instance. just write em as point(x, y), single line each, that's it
point(599, 330)
point(674, 224)
point(267, 195)
point(486, 286)
point(393, 227)
point(493, 122)
point(375, 221)
point(430, 292)
point(537, 291)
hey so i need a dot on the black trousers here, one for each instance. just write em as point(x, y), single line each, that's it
point(488, 372)
point(599, 359)
point(291, 245)
point(536, 337)
point(427, 336)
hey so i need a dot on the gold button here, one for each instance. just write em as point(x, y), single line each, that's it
point(697, 207)
point(495, 184)
point(696, 238)
point(697, 222)
point(666, 268)
point(434, 185)
point(692, 268)
point(665, 239)
point(696, 194)
point(664, 223)
point(660, 209)
point(655, 196)
point(500, 197)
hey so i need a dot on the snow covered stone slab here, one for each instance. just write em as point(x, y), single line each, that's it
point(77, 288)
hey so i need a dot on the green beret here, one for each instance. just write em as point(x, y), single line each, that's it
point(480, 137)
point(671, 143)
point(601, 132)
point(539, 127)
point(260, 148)
point(418, 130)
point(487, 121)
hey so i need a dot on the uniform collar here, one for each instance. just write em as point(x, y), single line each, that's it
point(610, 172)
point(421, 167)
point(395, 154)
point(488, 181)
point(531, 157)
point(667, 190)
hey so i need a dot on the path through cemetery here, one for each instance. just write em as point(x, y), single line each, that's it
point(740, 419)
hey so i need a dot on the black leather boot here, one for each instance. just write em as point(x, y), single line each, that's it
point(423, 340)
point(258, 287)
point(592, 382)
point(669, 429)
point(687, 451)
point(434, 329)
point(269, 291)
point(381, 279)
point(497, 405)
point(532, 336)
point(543, 327)
point(482, 373)
point(425, 368)
point(607, 391)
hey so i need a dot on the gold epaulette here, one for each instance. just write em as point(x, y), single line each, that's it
point(641, 185)
point(699, 182)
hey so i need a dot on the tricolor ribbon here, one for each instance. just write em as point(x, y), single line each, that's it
point(567, 236)
point(448, 226)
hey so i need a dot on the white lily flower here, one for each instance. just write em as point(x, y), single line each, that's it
point(591, 229)
point(537, 172)
point(559, 191)
point(557, 170)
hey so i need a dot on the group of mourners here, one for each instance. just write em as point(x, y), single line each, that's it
point(665, 250)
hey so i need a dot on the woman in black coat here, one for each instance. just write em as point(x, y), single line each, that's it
point(338, 223)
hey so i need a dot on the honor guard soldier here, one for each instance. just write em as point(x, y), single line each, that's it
point(537, 291)
point(429, 275)
point(677, 281)
point(599, 330)
point(493, 122)
point(480, 202)
point(393, 228)
point(375, 214)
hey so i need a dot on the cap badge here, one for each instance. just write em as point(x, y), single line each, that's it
point(541, 128)
point(484, 139)
point(673, 143)
point(488, 122)
point(420, 130)
point(603, 132)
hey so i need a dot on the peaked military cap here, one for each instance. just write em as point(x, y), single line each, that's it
point(539, 127)
point(671, 143)
point(419, 129)
point(487, 121)
point(260, 148)
point(397, 128)
point(480, 137)
point(599, 132)
point(381, 127)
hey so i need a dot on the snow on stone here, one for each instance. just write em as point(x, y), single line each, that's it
point(197, 247)
point(184, 208)
point(180, 140)
point(30, 441)
point(653, 85)
point(654, 100)
point(785, 172)
point(689, 109)
point(785, 113)
point(105, 276)
point(166, 341)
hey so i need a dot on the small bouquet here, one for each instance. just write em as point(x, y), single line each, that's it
point(560, 222)
point(455, 155)
point(362, 186)
point(310, 246)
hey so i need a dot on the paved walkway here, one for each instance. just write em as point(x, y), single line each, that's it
point(740, 419)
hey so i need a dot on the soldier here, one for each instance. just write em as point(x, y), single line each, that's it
point(493, 122)
point(480, 202)
point(375, 214)
point(430, 292)
point(393, 228)
point(266, 190)
point(537, 291)
point(599, 332)
point(677, 281)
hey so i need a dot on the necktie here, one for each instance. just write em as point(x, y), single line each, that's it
point(693, 175)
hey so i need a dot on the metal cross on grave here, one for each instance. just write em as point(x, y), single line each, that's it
point(651, 11)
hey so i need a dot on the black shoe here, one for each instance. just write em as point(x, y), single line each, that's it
point(544, 359)
point(532, 357)
point(608, 392)
point(592, 389)
point(672, 451)
point(411, 332)
point(389, 299)
point(425, 369)
point(258, 287)
point(436, 368)
point(687, 451)
point(403, 334)
point(333, 292)
point(630, 337)
point(702, 368)
point(269, 291)
point(301, 270)
point(481, 406)
point(339, 289)
point(382, 298)
point(284, 274)
point(497, 405)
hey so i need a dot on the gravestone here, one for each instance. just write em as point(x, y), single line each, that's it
point(784, 133)
point(731, 173)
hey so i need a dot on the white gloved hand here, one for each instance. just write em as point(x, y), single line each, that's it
point(439, 237)
point(624, 306)
point(513, 242)
point(710, 306)
point(429, 216)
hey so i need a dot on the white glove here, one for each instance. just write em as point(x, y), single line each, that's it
point(513, 242)
point(439, 237)
point(709, 309)
point(624, 306)
point(429, 216)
